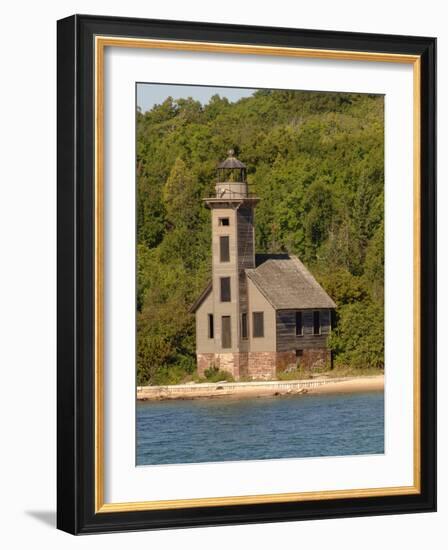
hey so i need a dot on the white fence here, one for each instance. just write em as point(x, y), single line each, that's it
point(236, 387)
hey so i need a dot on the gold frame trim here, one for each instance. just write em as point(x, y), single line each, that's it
point(101, 42)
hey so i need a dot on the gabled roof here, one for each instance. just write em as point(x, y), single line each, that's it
point(287, 284)
point(201, 298)
point(284, 281)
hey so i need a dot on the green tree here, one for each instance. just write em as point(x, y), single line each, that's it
point(358, 339)
point(180, 197)
point(319, 214)
point(316, 162)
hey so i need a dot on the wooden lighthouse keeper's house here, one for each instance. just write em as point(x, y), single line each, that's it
point(260, 314)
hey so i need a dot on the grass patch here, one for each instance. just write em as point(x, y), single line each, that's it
point(295, 374)
point(213, 374)
point(351, 371)
point(337, 372)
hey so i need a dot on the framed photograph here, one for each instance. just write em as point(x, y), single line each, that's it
point(246, 274)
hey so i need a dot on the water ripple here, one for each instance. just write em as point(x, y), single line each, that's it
point(176, 432)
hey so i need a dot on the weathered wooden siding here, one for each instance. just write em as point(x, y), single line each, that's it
point(286, 330)
point(245, 248)
point(242, 285)
point(245, 238)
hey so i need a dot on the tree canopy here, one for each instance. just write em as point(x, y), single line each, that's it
point(316, 161)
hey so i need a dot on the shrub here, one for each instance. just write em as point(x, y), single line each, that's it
point(165, 376)
point(213, 374)
point(358, 339)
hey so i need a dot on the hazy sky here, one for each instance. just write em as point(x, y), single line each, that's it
point(149, 95)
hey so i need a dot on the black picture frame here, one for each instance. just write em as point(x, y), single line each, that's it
point(76, 273)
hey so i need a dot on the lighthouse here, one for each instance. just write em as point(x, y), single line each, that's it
point(244, 314)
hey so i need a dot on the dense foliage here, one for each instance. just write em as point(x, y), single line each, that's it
point(316, 161)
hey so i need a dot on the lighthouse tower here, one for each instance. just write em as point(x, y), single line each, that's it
point(233, 251)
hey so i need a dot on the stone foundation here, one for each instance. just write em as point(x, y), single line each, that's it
point(233, 363)
point(263, 365)
point(243, 365)
point(316, 359)
point(285, 360)
point(204, 362)
point(229, 362)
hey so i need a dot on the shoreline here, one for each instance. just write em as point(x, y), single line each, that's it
point(276, 388)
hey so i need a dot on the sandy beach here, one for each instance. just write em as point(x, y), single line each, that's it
point(359, 384)
point(262, 389)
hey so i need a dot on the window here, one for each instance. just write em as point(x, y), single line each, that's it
point(299, 356)
point(244, 326)
point(224, 221)
point(224, 252)
point(258, 324)
point(226, 335)
point(211, 326)
point(316, 322)
point(299, 324)
point(225, 289)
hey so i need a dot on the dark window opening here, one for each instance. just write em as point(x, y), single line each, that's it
point(299, 324)
point(244, 326)
point(333, 319)
point(316, 322)
point(225, 289)
point(224, 221)
point(299, 355)
point(258, 324)
point(211, 326)
point(224, 250)
point(226, 336)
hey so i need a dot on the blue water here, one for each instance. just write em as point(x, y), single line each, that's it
point(212, 430)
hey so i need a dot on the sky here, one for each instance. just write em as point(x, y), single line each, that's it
point(149, 95)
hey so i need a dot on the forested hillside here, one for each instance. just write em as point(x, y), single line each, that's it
point(316, 162)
